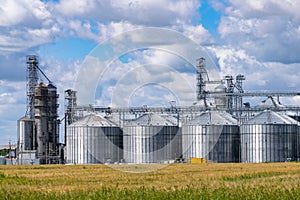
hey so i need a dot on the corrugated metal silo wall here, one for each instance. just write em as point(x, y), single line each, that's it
point(88, 145)
point(25, 134)
point(227, 146)
point(194, 140)
point(151, 144)
point(217, 143)
point(268, 142)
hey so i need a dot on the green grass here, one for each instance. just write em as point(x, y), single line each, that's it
point(145, 193)
point(177, 181)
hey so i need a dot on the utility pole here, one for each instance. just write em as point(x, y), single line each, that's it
point(10, 151)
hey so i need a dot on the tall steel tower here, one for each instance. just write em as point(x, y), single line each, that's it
point(32, 81)
point(70, 103)
point(201, 79)
point(230, 90)
point(239, 86)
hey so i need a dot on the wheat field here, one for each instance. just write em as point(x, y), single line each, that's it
point(175, 181)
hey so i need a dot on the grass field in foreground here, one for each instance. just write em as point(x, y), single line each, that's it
point(176, 181)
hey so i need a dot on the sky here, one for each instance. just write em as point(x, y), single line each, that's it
point(258, 38)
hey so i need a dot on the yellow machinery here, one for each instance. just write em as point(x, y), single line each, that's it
point(197, 160)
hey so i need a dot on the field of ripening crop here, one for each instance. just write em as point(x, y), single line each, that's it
point(175, 181)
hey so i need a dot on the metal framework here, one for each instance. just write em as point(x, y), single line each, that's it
point(228, 98)
point(32, 81)
point(202, 77)
point(233, 94)
point(239, 99)
point(70, 103)
point(42, 106)
point(182, 113)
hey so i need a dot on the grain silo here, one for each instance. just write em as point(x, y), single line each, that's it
point(212, 136)
point(94, 139)
point(269, 137)
point(53, 123)
point(25, 134)
point(151, 138)
point(41, 116)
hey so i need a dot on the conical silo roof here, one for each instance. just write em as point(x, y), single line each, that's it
point(25, 118)
point(113, 119)
point(151, 119)
point(213, 118)
point(93, 120)
point(271, 117)
point(220, 88)
point(51, 86)
point(170, 118)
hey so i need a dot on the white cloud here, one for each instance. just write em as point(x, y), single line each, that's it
point(12, 13)
point(139, 78)
point(25, 24)
point(124, 84)
point(12, 101)
point(195, 32)
point(6, 98)
point(217, 5)
point(173, 49)
point(112, 29)
point(20, 40)
point(23, 12)
point(81, 29)
point(75, 8)
point(263, 8)
point(34, 23)
point(267, 29)
point(136, 12)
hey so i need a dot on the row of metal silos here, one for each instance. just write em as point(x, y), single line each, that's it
point(267, 137)
point(212, 135)
point(150, 138)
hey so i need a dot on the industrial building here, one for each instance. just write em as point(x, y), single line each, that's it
point(8, 154)
point(220, 127)
point(38, 130)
